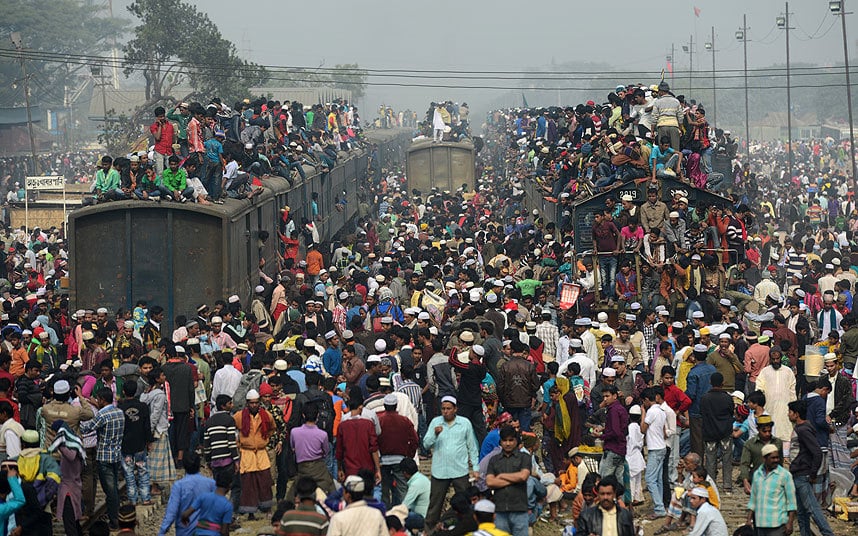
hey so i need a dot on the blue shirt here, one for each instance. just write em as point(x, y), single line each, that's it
point(660, 158)
point(697, 385)
point(214, 148)
point(182, 496)
point(214, 509)
point(491, 442)
point(299, 377)
point(333, 361)
point(453, 448)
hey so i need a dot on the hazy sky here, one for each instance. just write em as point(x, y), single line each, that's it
point(514, 35)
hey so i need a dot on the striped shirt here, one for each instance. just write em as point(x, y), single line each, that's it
point(304, 520)
point(219, 443)
point(772, 497)
point(549, 334)
point(415, 394)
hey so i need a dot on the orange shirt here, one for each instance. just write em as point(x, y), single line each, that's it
point(19, 359)
point(314, 262)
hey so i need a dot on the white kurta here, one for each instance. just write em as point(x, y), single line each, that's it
point(779, 388)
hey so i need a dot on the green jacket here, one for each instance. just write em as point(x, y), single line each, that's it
point(752, 456)
point(119, 383)
point(107, 183)
point(177, 181)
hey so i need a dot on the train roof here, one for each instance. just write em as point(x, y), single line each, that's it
point(416, 145)
point(231, 208)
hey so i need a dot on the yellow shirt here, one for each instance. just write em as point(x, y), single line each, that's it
point(491, 529)
point(609, 522)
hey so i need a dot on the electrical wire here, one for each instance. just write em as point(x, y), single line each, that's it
point(813, 35)
point(109, 61)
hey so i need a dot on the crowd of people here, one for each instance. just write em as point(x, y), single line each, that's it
point(446, 121)
point(204, 154)
point(433, 349)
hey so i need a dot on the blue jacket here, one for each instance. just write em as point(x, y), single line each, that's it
point(816, 416)
point(697, 385)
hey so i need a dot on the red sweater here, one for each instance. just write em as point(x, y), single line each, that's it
point(397, 435)
point(676, 399)
point(356, 441)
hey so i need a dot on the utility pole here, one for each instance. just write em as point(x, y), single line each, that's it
point(98, 71)
point(670, 60)
point(783, 23)
point(838, 7)
point(19, 46)
point(689, 48)
point(742, 35)
point(710, 46)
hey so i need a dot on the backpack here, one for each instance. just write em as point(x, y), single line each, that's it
point(250, 380)
point(325, 406)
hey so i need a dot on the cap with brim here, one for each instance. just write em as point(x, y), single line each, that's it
point(829, 357)
point(738, 395)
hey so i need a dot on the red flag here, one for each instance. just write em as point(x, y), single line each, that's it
point(670, 67)
point(697, 12)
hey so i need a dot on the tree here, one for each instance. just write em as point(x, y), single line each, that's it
point(54, 28)
point(348, 76)
point(174, 44)
point(120, 133)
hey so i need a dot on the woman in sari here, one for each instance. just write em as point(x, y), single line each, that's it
point(563, 419)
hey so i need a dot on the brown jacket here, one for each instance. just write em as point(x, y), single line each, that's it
point(71, 415)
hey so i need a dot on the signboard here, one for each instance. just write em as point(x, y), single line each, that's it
point(44, 183)
point(628, 191)
point(569, 295)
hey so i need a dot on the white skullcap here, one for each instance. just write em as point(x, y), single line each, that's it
point(253, 394)
point(233, 299)
point(128, 324)
point(259, 289)
point(61, 387)
point(450, 399)
point(479, 350)
point(380, 345)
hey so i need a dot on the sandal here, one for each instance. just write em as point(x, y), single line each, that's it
point(665, 529)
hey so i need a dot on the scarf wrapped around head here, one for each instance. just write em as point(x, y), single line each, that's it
point(265, 425)
point(563, 421)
